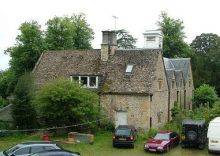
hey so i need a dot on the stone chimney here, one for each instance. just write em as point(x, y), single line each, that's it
point(153, 39)
point(109, 44)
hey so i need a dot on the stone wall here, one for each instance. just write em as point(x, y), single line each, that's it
point(136, 106)
point(189, 87)
point(173, 98)
point(159, 102)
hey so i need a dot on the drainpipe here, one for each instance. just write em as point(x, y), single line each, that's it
point(151, 96)
point(168, 106)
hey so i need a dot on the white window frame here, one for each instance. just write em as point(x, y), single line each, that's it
point(88, 81)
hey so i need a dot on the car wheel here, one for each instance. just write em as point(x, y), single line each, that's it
point(201, 146)
point(183, 145)
point(113, 145)
point(132, 145)
point(168, 148)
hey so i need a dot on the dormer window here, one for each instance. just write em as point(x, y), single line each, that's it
point(87, 81)
point(129, 68)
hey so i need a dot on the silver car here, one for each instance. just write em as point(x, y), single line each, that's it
point(28, 148)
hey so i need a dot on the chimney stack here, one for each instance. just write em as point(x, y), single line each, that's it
point(109, 44)
point(153, 39)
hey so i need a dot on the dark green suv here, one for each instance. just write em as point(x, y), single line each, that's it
point(193, 133)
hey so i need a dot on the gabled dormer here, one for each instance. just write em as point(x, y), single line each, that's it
point(153, 39)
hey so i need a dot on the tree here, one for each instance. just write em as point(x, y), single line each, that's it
point(7, 82)
point(205, 61)
point(68, 33)
point(60, 34)
point(215, 111)
point(205, 95)
point(205, 42)
point(125, 40)
point(173, 41)
point(62, 102)
point(83, 33)
point(23, 112)
point(29, 46)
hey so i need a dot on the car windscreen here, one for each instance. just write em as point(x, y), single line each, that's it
point(189, 127)
point(11, 150)
point(162, 136)
point(123, 132)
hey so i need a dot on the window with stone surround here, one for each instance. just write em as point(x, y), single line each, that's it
point(190, 83)
point(86, 81)
point(173, 84)
point(181, 83)
point(160, 82)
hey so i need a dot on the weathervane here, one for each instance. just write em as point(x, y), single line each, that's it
point(115, 18)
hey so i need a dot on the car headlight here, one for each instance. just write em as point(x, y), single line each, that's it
point(160, 147)
point(146, 146)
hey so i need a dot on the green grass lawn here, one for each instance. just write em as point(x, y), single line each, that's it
point(102, 146)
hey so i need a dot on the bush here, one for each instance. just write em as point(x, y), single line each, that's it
point(107, 125)
point(149, 134)
point(204, 95)
point(172, 126)
point(2, 102)
point(62, 102)
point(215, 111)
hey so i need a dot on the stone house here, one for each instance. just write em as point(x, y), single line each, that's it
point(180, 81)
point(133, 85)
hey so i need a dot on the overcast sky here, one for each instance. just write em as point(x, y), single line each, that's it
point(136, 16)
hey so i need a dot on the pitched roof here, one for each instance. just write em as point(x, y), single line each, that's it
point(114, 79)
point(168, 64)
point(140, 79)
point(182, 64)
point(53, 64)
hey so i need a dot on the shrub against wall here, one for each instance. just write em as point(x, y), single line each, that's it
point(62, 102)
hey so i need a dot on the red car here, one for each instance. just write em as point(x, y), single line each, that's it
point(162, 142)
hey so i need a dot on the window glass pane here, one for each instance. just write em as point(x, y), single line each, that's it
point(173, 83)
point(75, 78)
point(49, 147)
point(151, 38)
point(36, 149)
point(11, 150)
point(129, 68)
point(84, 80)
point(123, 132)
point(92, 81)
point(159, 84)
point(22, 151)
